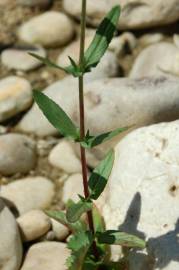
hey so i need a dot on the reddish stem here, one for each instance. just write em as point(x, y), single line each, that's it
point(82, 123)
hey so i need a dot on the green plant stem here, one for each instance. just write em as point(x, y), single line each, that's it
point(82, 122)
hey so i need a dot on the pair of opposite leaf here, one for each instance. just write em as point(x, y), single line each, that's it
point(54, 113)
point(96, 50)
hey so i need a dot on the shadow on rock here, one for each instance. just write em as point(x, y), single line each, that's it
point(165, 248)
point(160, 251)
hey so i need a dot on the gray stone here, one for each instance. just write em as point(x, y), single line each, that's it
point(19, 59)
point(33, 225)
point(29, 193)
point(15, 96)
point(35, 3)
point(17, 155)
point(142, 194)
point(134, 15)
point(59, 32)
point(45, 256)
point(10, 243)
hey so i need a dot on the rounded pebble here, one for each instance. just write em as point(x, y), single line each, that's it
point(15, 96)
point(45, 256)
point(29, 193)
point(33, 225)
point(19, 58)
point(50, 29)
point(63, 157)
point(17, 155)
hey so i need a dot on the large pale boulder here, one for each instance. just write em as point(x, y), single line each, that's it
point(135, 14)
point(142, 196)
point(156, 60)
point(10, 243)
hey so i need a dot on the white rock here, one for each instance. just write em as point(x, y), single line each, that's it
point(17, 155)
point(15, 96)
point(59, 32)
point(19, 59)
point(45, 256)
point(135, 14)
point(10, 244)
point(35, 3)
point(156, 60)
point(108, 66)
point(63, 157)
point(110, 103)
point(142, 195)
point(72, 187)
point(60, 231)
point(29, 193)
point(33, 225)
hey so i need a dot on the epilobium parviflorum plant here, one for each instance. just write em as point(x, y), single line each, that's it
point(89, 242)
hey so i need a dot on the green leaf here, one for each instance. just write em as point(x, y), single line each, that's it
point(99, 224)
point(102, 39)
point(91, 265)
point(56, 116)
point(100, 175)
point(79, 244)
point(61, 218)
point(75, 211)
point(70, 69)
point(113, 237)
point(92, 141)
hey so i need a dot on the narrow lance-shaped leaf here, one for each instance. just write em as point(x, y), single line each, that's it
point(113, 237)
point(102, 39)
point(61, 218)
point(56, 115)
point(100, 175)
point(71, 69)
point(75, 211)
point(92, 141)
point(99, 224)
